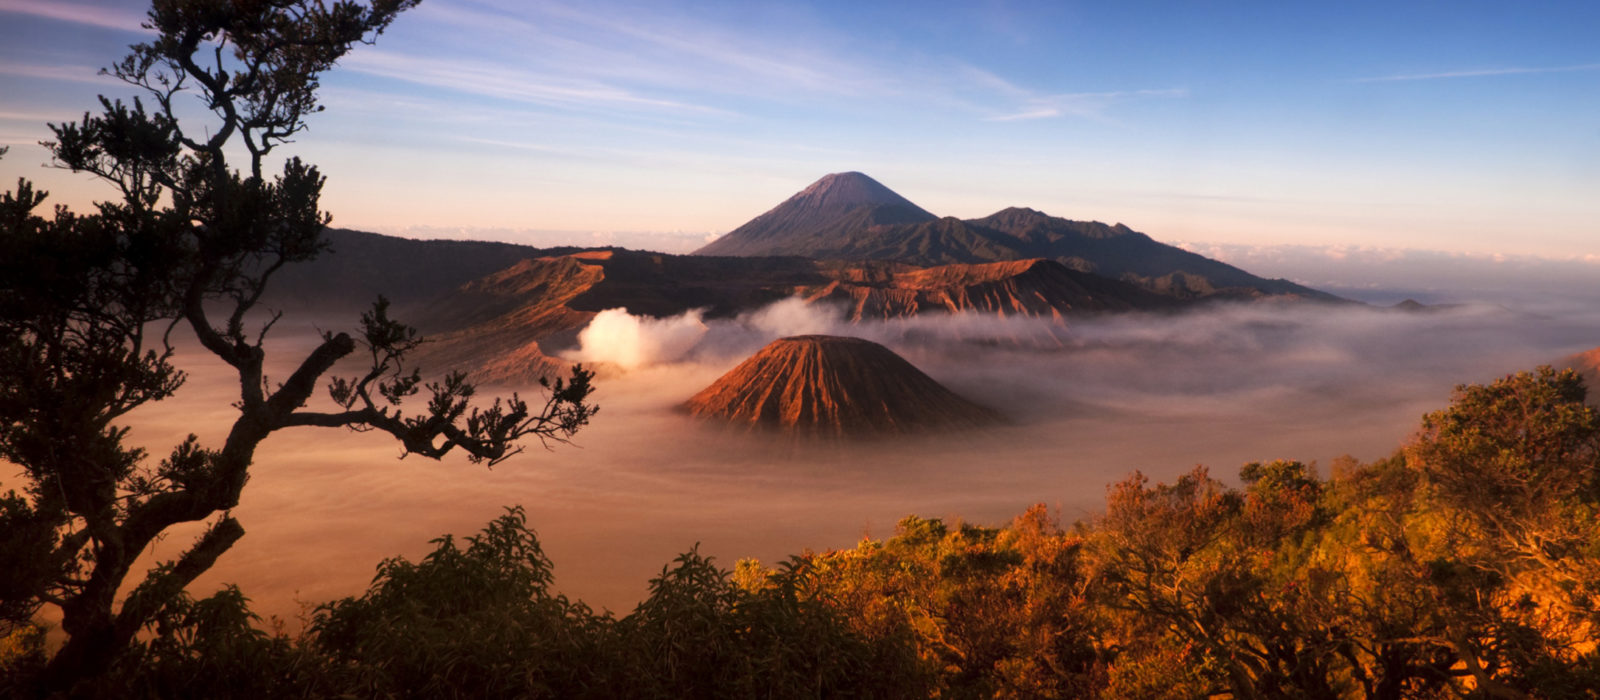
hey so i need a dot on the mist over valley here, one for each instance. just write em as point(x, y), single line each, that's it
point(1085, 403)
point(1092, 376)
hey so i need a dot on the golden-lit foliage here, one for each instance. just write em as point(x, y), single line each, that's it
point(1463, 566)
point(990, 612)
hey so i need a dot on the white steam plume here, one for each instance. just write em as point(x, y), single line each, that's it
point(633, 342)
point(630, 342)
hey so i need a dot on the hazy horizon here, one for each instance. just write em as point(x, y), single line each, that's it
point(1379, 275)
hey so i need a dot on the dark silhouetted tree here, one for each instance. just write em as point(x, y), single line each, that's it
point(88, 303)
point(477, 621)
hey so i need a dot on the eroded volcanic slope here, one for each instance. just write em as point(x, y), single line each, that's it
point(831, 386)
point(511, 325)
point(499, 327)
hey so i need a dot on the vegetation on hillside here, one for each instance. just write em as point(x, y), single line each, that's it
point(1465, 565)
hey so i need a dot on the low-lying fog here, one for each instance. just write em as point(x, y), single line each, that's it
point(1090, 403)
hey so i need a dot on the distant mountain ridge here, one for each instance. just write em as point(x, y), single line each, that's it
point(850, 216)
point(359, 266)
point(503, 311)
point(509, 326)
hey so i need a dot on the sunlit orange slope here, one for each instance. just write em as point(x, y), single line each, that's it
point(831, 386)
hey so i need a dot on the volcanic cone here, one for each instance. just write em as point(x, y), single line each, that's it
point(830, 386)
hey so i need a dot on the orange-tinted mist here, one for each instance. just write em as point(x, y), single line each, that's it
point(645, 482)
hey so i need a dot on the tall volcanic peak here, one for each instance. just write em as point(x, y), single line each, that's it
point(849, 216)
point(831, 386)
point(849, 190)
point(833, 207)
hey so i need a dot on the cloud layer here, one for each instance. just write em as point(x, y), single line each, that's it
point(1089, 402)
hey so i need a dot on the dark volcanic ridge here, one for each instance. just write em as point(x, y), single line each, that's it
point(830, 387)
point(849, 216)
point(512, 326)
point(507, 313)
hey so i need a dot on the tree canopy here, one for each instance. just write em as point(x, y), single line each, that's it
point(90, 303)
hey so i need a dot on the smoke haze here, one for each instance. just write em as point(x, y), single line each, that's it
point(1088, 402)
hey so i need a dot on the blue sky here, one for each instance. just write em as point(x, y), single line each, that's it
point(1471, 127)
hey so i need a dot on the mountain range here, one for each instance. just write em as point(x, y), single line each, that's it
point(850, 216)
point(505, 311)
point(509, 324)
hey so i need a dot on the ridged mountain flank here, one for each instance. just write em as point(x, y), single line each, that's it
point(836, 205)
point(510, 326)
point(831, 386)
point(851, 217)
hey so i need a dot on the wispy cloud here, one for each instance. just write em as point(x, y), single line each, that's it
point(475, 18)
point(503, 82)
point(1090, 105)
point(648, 155)
point(718, 48)
point(993, 83)
point(76, 74)
point(520, 146)
point(106, 15)
point(22, 139)
point(29, 117)
point(1483, 73)
point(654, 57)
point(670, 48)
point(1248, 253)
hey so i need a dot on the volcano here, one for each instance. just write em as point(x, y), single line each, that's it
point(832, 208)
point(852, 217)
point(831, 386)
